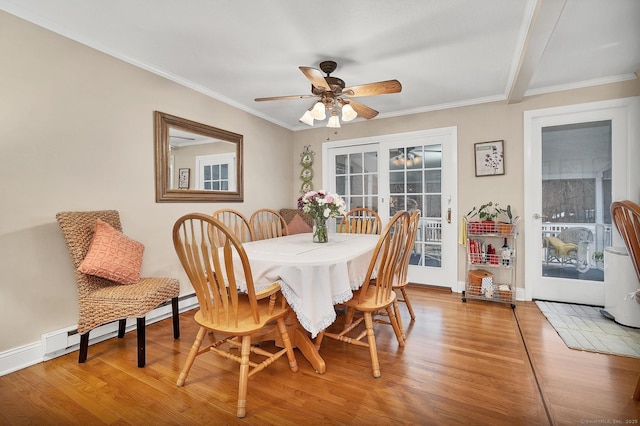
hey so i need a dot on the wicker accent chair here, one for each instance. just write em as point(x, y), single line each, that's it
point(236, 222)
point(375, 295)
point(360, 220)
point(626, 217)
point(234, 314)
point(564, 247)
point(267, 223)
point(101, 301)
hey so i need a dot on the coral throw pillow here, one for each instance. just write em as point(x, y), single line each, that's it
point(298, 226)
point(113, 255)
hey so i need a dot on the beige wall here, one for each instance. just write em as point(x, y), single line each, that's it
point(76, 133)
point(478, 123)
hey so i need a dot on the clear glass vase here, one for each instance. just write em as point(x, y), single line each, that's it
point(320, 234)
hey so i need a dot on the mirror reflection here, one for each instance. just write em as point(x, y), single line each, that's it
point(196, 162)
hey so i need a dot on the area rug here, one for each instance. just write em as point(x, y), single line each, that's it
point(585, 328)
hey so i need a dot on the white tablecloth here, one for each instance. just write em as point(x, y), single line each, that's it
point(313, 276)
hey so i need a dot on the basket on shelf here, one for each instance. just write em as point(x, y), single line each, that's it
point(476, 276)
point(506, 294)
point(474, 290)
point(505, 228)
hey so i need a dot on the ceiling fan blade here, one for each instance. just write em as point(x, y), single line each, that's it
point(372, 89)
point(316, 78)
point(280, 98)
point(363, 110)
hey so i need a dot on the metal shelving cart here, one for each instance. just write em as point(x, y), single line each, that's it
point(491, 262)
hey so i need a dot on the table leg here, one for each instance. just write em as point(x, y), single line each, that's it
point(302, 341)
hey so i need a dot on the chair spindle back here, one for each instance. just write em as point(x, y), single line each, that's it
point(386, 259)
point(209, 264)
point(360, 220)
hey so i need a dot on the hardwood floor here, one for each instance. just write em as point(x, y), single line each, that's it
point(464, 363)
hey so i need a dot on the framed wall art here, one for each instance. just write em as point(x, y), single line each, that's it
point(183, 178)
point(489, 157)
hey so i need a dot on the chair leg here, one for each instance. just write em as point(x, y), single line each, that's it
point(396, 309)
point(371, 338)
point(84, 348)
point(636, 394)
point(244, 376)
point(282, 328)
point(394, 323)
point(176, 318)
point(408, 303)
point(140, 331)
point(193, 353)
point(122, 326)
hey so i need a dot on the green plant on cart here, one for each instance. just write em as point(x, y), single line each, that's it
point(487, 212)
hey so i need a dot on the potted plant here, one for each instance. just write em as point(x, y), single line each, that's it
point(487, 213)
point(506, 227)
point(598, 257)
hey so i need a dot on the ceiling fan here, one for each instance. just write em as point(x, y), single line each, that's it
point(334, 96)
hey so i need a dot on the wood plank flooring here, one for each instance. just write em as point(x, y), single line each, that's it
point(464, 364)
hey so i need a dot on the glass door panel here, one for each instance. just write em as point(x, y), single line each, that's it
point(356, 179)
point(576, 196)
point(415, 184)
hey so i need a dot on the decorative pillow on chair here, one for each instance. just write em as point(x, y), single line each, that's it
point(298, 226)
point(113, 255)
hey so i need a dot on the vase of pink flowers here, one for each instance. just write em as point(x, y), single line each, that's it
point(321, 205)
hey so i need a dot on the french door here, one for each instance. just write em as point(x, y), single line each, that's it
point(576, 163)
point(410, 171)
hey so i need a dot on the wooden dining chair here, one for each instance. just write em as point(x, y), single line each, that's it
point(375, 295)
point(102, 300)
point(236, 222)
point(400, 280)
point(626, 217)
point(360, 220)
point(235, 312)
point(267, 223)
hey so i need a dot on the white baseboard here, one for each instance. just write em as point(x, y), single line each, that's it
point(67, 340)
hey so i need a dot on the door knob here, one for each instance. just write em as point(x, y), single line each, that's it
point(539, 216)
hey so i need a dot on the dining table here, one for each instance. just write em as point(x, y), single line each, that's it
point(314, 277)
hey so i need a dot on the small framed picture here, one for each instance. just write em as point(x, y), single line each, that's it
point(183, 178)
point(489, 158)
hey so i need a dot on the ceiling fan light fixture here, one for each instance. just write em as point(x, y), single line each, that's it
point(318, 111)
point(307, 118)
point(334, 121)
point(348, 113)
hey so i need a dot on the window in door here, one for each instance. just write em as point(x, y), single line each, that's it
point(216, 172)
point(576, 195)
point(415, 183)
point(356, 179)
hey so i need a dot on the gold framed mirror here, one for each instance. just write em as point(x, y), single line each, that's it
point(196, 162)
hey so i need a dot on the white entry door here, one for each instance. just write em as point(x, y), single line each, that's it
point(576, 163)
point(406, 171)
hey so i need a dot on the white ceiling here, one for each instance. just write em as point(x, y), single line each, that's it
point(445, 53)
